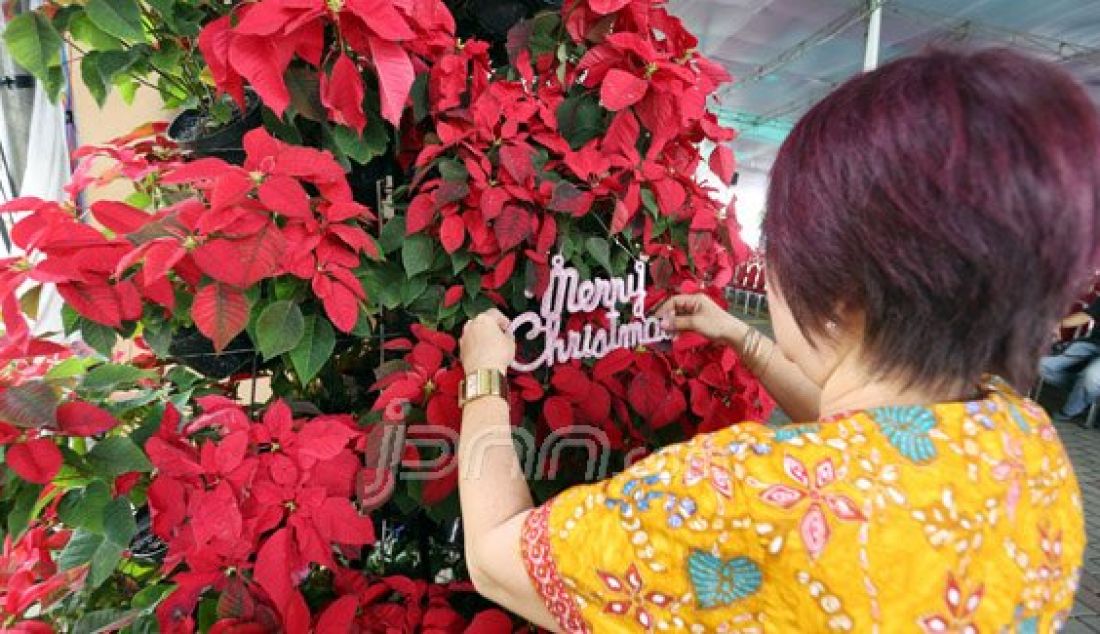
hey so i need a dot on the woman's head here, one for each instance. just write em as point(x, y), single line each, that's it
point(943, 210)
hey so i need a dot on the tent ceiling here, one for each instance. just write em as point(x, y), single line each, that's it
point(787, 54)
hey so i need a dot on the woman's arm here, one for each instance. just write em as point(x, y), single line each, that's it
point(796, 394)
point(492, 487)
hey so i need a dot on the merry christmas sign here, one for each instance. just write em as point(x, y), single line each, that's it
point(568, 294)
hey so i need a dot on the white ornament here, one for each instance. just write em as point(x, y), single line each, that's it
point(566, 294)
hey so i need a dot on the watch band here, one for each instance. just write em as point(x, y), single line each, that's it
point(481, 383)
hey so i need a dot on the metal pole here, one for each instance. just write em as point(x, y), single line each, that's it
point(874, 35)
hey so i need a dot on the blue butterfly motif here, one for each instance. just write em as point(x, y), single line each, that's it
point(719, 582)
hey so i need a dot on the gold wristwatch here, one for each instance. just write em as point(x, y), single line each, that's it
point(481, 383)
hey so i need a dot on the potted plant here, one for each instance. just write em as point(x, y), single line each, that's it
point(126, 44)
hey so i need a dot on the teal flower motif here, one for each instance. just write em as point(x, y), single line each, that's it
point(719, 582)
point(907, 430)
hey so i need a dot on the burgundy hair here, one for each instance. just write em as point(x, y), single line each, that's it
point(953, 198)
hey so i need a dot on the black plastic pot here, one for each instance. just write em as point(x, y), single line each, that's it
point(192, 349)
point(191, 130)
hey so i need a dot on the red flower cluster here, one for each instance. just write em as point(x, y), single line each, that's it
point(238, 227)
point(271, 497)
point(503, 157)
point(400, 604)
point(29, 578)
point(259, 40)
point(510, 168)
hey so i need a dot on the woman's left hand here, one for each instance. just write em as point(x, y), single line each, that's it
point(486, 343)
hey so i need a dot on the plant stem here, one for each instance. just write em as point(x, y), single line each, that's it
point(134, 76)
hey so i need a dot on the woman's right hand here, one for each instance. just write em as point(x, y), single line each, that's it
point(699, 313)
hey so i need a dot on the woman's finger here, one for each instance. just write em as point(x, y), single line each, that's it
point(683, 323)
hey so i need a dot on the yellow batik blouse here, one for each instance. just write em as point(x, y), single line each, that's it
point(959, 517)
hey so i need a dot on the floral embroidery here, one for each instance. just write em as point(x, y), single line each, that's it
point(946, 526)
point(679, 510)
point(906, 428)
point(719, 582)
point(830, 604)
point(636, 496)
point(983, 412)
point(631, 597)
point(814, 527)
point(879, 481)
point(539, 561)
point(856, 493)
point(706, 464)
point(960, 610)
point(1011, 469)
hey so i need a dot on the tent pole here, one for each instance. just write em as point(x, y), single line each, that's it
point(874, 35)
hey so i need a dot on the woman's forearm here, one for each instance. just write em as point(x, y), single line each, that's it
point(795, 394)
point(491, 485)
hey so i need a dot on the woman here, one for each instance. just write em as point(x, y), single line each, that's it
point(926, 223)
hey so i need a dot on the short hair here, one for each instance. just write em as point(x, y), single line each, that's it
point(951, 197)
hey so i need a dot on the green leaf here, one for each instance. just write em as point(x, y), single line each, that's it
point(127, 87)
point(159, 337)
point(149, 596)
point(104, 561)
point(101, 338)
point(120, 18)
point(392, 235)
point(649, 201)
point(417, 254)
point(80, 549)
point(279, 328)
point(460, 260)
point(362, 148)
point(111, 63)
point(91, 36)
point(112, 376)
point(108, 620)
point(452, 170)
point(313, 350)
point(419, 95)
point(581, 119)
point(83, 508)
point(20, 515)
point(112, 457)
point(33, 43)
point(89, 74)
point(118, 521)
point(32, 405)
point(600, 251)
point(69, 368)
point(412, 289)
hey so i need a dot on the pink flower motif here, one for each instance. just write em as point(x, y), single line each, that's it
point(814, 526)
point(635, 600)
point(703, 464)
point(960, 611)
point(1012, 470)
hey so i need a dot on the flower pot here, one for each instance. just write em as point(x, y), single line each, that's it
point(191, 348)
point(192, 130)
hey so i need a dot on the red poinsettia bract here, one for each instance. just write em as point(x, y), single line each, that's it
point(271, 496)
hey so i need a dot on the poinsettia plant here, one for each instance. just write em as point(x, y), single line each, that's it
point(587, 145)
point(145, 467)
